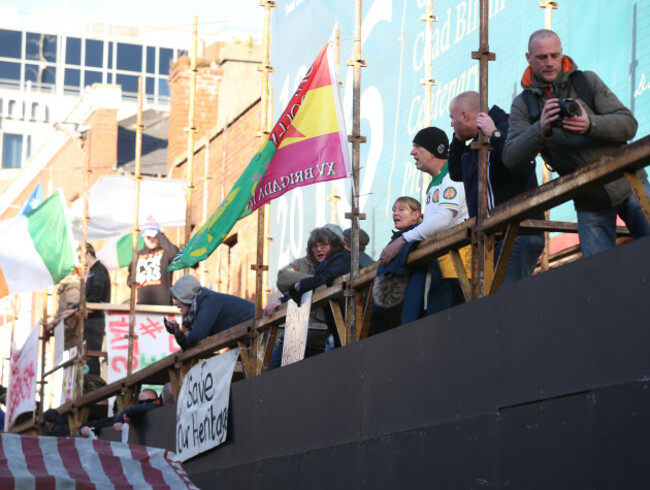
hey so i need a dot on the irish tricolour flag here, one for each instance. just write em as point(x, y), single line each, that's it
point(307, 145)
point(117, 252)
point(37, 248)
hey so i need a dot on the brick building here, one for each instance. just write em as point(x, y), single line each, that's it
point(227, 121)
point(226, 151)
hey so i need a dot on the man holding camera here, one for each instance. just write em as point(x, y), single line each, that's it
point(572, 118)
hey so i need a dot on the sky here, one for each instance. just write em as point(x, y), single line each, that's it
point(213, 16)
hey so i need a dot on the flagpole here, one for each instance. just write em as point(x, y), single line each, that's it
point(137, 178)
point(260, 266)
point(191, 129)
point(356, 139)
point(334, 197)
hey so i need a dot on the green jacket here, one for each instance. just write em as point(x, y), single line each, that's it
point(612, 125)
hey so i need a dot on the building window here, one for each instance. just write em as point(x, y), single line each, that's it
point(91, 77)
point(14, 110)
point(129, 83)
point(72, 80)
point(163, 88)
point(41, 47)
point(94, 53)
point(39, 113)
point(12, 150)
point(129, 57)
point(150, 86)
point(11, 43)
point(9, 71)
point(166, 59)
point(151, 60)
point(48, 75)
point(73, 51)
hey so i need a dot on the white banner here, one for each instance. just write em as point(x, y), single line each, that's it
point(202, 407)
point(152, 344)
point(110, 204)
point(59, 340)
point(69, 379)
point(22, 385)
point(295, 333)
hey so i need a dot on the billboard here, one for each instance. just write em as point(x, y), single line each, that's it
point(606, 37)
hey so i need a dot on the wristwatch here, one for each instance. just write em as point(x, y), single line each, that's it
point(496, 134)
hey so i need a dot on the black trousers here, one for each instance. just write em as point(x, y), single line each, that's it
point(94, 329)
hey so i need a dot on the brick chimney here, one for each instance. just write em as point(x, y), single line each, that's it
point(208, 80)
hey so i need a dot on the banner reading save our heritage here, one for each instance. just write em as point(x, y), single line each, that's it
point(152, 342)
point(306, 146)
point(202, 407)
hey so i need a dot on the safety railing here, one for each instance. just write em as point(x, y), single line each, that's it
point(507, 218)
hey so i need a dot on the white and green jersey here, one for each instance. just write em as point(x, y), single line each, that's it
point(445, 207)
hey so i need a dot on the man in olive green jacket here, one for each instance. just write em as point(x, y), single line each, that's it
point(567, 142)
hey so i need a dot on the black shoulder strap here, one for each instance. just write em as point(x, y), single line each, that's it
point(578, 81)
point(533, 105)
point(581, 85)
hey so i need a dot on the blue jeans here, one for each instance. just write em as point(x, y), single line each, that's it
point(443, 293)
point(523, 258)
point(597, 229)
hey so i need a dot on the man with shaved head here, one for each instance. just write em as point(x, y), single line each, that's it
point(503, 184)
point(572, 118)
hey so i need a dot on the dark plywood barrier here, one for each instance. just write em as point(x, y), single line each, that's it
point(541, 385)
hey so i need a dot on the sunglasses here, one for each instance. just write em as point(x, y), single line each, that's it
point(148, 400)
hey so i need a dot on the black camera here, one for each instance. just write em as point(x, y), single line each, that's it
point(569, 108)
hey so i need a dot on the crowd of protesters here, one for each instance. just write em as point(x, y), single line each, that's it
point(539, 123)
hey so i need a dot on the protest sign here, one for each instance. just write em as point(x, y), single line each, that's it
point(152, 342)
point(202, 407)
point(22, 386)
point(295, 332)
point(59, 341)
point(69, 387)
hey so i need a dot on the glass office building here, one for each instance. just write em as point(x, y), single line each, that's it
point(53, 62)
point(41, 64)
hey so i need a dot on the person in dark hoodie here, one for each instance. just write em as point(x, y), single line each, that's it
point(205, 312)
point(503, 184)
point(55, 424)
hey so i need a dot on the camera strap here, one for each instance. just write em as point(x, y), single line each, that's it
point(577, 80)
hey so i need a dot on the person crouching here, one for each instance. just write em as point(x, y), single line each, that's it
point(205, 312)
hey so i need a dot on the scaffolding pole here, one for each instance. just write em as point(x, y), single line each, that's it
point(548, 7)
point(356, 139)
point(254, 362)
point(428, 80)
point(80, 361)
point(137, 178)
point(191, 130)
point(483, 244)
point(206, 189)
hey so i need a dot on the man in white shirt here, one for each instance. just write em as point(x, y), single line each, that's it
point(444, 208)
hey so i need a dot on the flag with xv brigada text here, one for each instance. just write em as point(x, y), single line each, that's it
point(307, 145)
